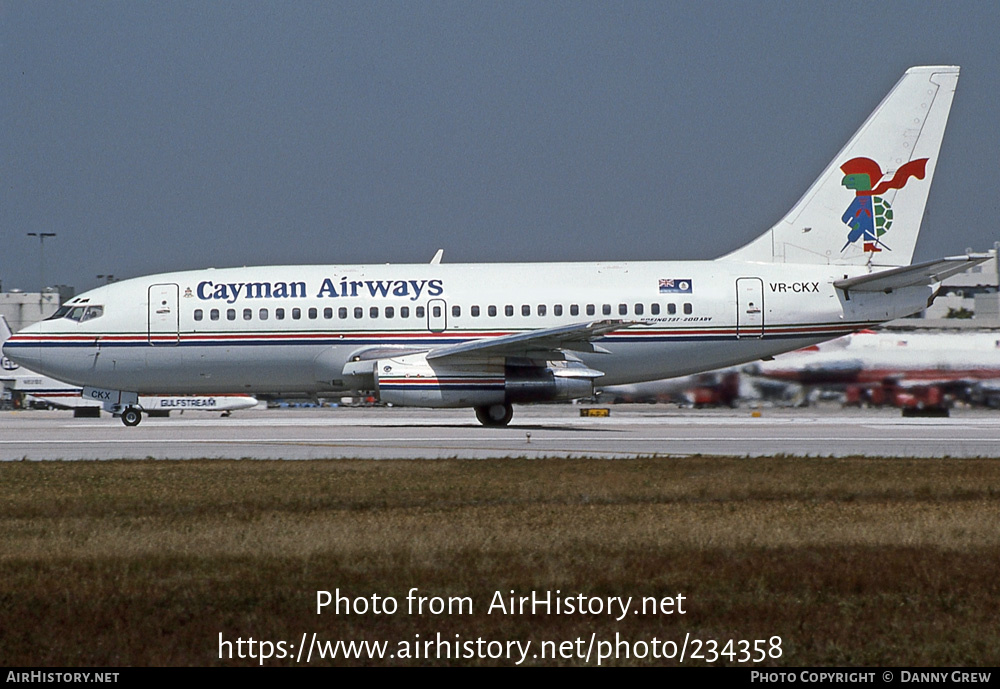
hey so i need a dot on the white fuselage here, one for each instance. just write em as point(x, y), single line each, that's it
point(292, 329)
point(913, 358)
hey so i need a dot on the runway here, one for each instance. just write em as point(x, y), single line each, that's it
point(536, 432)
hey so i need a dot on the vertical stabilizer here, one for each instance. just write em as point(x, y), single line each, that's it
point(867, 206)
point(6, 365)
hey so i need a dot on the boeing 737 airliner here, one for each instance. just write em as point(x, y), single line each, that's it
point(491, 335)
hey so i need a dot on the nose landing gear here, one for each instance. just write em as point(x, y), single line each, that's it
point(131, 416)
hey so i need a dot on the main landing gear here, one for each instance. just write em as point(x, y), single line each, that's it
point(131, 416)
point(495, 414)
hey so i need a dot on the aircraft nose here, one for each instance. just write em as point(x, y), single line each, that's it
point(20, 350)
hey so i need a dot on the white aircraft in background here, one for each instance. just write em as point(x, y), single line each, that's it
point(35, 387)
point(491, 335)
point(918, 370)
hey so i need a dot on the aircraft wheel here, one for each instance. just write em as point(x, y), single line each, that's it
point(131, 416)
point(495, 414)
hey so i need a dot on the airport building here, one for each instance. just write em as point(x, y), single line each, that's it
point(969, 300)
point(21, 309)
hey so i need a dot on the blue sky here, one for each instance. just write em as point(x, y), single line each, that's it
point(164, 136)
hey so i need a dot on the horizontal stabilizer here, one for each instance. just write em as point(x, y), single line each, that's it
point(911, 276)
point(577, 337)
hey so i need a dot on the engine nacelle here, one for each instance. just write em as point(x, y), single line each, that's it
point(537, 384)
point(412, 381)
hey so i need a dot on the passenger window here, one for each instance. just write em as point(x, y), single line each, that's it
point(456, 311)
point(540, 310)
point(574, 310)
point(313, 313)
point(342, 312)
point(421, 312)
point(296, 313)
point(359, 312)
point(474, 311)
point(247, 314)
point(623, 309)
point(492, 311)
point(198, 314)
point(404, 311)
point(654, 309)
point(606, 309)
point(557, 310)
point(525, 310)
point(508, 310)
point(638, 309)
point(671, 309)
point(230, 314)
point(590, 310)
point(214, 314)
point(687, 309)
point(279, 314)
point(262, 314)
point(390, 312)
point(328, 312)
point(373, 311)
point(437, 311)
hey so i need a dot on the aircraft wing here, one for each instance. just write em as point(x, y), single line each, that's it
point(578, 337)
point(926, 273)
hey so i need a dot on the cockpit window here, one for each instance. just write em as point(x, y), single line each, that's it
point(92, 312)
point(78, 313)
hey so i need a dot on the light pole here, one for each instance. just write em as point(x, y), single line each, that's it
point(41, 256)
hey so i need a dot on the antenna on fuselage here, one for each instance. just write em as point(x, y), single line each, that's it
point(437, 257)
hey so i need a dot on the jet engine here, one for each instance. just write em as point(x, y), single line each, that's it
point(411, 380)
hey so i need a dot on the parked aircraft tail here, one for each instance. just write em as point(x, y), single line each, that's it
point(866, 207)
point(5, 333)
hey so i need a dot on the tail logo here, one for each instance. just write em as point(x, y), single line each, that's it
point(870, 216)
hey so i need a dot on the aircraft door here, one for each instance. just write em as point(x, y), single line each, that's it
point(437, 315)
point(164, 315)
point(749, 307)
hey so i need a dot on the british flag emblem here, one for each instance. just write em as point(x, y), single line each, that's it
point(675, 286)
